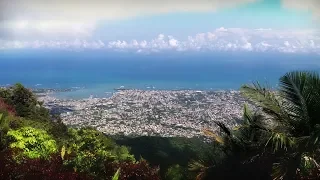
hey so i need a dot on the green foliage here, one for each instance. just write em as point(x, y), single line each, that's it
point(24, 102)
point(91, 140)
point(116, 175)
point(6, 94)
point(35, 143)
point(175, 172)
point(293, 117)
point(132, 170)
point(4, 123)
point(7, 122)
point(92, 148)
point(63, 152)
point(34, 136)
point(167, 152)
point(58, 131)
point(4, 127)
point(308, 164)
point(85, 161)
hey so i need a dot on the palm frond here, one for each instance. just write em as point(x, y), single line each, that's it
point(253, 120)
point(220, 139)
point(239, 127)
point(266, 100)
point(213, 135)
point(116, 175)
point(253, 128)
point(247, 115)
point(301, 91)
point(196, 165)
point(223, 128)
point(309, 161)
point(314, 138)
point(199, 167)
point(313, 103)
point(278, 171)
point(293, 90)
point(280, 141)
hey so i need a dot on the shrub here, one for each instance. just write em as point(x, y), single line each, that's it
point(24, 102)
point(50, 169)
point(89, 149)
point(175, 172)
point(7, 122)
point(132, 170)
point(6, 108)
point(35, 143)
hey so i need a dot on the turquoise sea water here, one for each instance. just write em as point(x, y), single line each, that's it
point(98, 73)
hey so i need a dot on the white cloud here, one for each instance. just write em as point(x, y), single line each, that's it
point(143, 44)
point(63, 45)
point(312, 44)
point(263, 46)
point(61, 19)
point(287, 44)
point(221, 39)
point(173, 42)
point(263, 29)
point(46, 30)
point(71, 19)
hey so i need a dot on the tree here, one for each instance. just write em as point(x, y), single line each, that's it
point(91, 149)
point(283, 134)
point(5, 108)
point(238, 152)
point(293, 114)
point(24, 102)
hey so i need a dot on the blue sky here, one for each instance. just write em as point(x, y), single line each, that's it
point(179, 24)
point(263, 14)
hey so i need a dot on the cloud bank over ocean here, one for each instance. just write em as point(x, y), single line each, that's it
point(221, 39)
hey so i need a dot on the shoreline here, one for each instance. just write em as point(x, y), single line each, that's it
point(177, 113)
point(51, 91)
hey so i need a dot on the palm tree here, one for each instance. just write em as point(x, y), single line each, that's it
point(241, 154)
point(293, 126)
point(283, 133)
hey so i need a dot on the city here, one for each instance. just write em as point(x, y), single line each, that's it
point(151, 113)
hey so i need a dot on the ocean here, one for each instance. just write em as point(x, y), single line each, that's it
point(97, 73)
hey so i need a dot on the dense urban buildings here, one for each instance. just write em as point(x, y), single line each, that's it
point(153, 112)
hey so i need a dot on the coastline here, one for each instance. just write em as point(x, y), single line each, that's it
point(165, 113)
